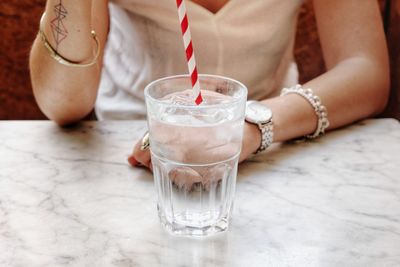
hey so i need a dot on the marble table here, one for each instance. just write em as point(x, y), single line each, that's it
point(68, 198)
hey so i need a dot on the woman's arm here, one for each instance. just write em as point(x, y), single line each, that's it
point(356, 84)
point(67, 94)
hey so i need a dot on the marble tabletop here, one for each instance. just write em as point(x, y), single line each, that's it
point(69, 198)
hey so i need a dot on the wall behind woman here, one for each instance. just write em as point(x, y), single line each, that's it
point(19, 20)
point(392, 20)
point(19, 25)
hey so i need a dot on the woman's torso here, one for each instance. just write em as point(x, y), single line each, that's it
point(250, 41)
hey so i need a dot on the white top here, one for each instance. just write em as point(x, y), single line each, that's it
point(251, 41)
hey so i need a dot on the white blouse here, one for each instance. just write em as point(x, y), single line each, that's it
point(248, 40)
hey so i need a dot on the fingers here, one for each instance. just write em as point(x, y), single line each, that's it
point(140, 157)
point(184, 177)
point(151, 166)
point(132, 160)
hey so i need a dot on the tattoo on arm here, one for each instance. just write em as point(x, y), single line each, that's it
point(58, 28)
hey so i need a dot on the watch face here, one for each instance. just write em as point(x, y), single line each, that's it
point(257, 112)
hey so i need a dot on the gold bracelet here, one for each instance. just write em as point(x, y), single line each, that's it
point(62, 60)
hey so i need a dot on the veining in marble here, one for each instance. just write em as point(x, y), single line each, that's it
point(68, 198)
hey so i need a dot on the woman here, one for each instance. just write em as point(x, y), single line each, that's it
point(250, 41)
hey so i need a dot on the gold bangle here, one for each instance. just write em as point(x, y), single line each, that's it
point(59, 58)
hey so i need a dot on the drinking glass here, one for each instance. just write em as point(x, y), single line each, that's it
point(195, 151)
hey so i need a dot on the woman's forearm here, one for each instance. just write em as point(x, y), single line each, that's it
point(356, 85)
point(66, 94)
point(354, 89)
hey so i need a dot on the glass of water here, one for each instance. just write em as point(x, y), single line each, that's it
point(195, 151)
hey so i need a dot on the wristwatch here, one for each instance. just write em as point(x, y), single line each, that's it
point(261, 115)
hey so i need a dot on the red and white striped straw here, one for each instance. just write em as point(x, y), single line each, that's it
point(187, 41)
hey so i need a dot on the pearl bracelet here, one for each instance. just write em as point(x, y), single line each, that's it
point(315, 102)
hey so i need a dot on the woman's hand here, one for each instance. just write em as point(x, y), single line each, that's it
point(139, 157)
point(251, 142)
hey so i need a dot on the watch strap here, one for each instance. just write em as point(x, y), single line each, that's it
point(267, 135)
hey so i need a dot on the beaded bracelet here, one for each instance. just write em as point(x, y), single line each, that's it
point(315, 102)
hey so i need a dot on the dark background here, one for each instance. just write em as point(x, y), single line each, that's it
point(19, 21)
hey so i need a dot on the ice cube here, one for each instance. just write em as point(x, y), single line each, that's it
point(212, 116)
point(184, 98)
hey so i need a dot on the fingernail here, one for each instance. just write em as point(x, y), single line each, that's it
point(133, 161)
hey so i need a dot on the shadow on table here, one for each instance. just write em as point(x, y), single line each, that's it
point(93, 142)
point(207, 252)
point(282, 157)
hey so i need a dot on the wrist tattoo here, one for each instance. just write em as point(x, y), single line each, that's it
point(58, 28)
